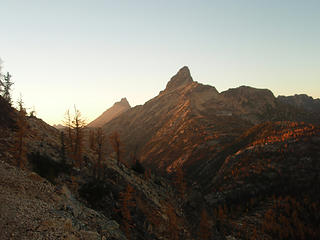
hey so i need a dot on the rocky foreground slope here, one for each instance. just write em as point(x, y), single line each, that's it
point(33, 208)
point(49, 199)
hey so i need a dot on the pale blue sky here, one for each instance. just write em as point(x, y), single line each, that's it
point(94, 52)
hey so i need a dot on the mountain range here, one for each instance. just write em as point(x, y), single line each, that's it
point(191, 163)
point(189, 121)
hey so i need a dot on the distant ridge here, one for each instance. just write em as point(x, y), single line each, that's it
point(302, 101)
point(111, 113)
point(59, 126)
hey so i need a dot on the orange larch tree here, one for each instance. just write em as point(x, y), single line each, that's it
point(75, 131)
point(127, 202)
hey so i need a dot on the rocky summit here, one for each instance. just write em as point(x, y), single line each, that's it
point(111, 113)
point(183, 77)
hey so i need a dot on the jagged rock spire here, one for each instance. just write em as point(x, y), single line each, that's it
point(183, 77)
point(123, 102)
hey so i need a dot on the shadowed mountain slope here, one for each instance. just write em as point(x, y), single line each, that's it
point(267, 183)
point(302, 101)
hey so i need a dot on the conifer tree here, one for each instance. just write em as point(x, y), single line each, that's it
point(20, 142)
point(7, 84)
point(63, 149)
point(78, 125)
point(1, 82)
point(116, 145)
point(68, 123)
point(75, 131)
point(92, 142)
point(100, 139)
point(127, 201)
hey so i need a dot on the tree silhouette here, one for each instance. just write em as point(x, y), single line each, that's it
point(1, 82)
point(92, 140)
point(63, 149)
point(116, 145)
point(127, 201)
point(7, 84)
point(20, 143)
point(78, 124)
point(75, 131)
point(70, 139)
point(100, 139)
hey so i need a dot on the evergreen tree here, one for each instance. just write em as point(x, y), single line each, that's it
point(70, 139)
point(1, 82)
point(100, 139)
point(20, 137)
point(78, 124)
point(63, 149)
point(116, 145)
point(6, 85)
point(127, 202)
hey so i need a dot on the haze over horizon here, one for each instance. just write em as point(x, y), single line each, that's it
point(94, 53)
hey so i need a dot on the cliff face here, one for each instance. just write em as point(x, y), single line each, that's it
point(111, 113)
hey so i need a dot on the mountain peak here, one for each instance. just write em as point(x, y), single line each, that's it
point(183, 77)
point(123, 102)
point(111, 113)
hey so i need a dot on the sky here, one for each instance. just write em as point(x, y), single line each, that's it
point(91, 53)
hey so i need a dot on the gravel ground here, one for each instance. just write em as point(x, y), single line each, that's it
point(33, 208)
